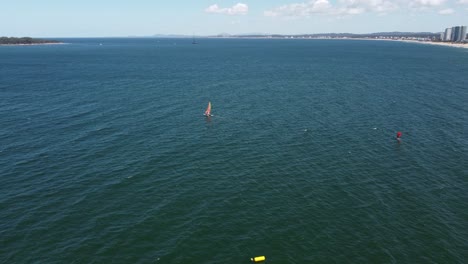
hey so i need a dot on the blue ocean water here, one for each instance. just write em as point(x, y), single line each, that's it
point(106, 157)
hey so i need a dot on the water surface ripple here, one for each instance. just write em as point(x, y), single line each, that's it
point(106, 157)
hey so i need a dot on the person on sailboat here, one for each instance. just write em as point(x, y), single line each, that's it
point(208, 110)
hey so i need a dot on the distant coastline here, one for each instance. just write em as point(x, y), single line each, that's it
point(410, 37)
point(447, 44)
point(429, 42)
point(12, 41)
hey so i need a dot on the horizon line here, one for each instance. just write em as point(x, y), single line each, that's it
point(240, 34)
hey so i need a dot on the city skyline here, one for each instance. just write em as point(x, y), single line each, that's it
point(53, 18)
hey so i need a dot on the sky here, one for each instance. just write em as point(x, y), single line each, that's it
point(121, 18)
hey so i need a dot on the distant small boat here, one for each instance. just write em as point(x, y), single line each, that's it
point(194, 41)
point(208, 110)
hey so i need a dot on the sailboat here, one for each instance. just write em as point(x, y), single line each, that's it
point(193, 40)
point(208, 110)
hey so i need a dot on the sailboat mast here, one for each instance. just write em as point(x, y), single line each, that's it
point(208, 110)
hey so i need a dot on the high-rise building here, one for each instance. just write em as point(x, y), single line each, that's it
point(463, 34)
point(448, 34)
point(458, 34)
point(455, 33)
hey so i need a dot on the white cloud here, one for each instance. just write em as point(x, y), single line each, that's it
point(379, 6)
point(269, 13)
point(237, 9)
point(355, 11)
point(342, 7)
point(346, 8)
point(447, 11)
point(300, 9)
point(348, 11)
point(426, 3)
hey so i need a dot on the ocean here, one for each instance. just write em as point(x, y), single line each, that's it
point(106, 157)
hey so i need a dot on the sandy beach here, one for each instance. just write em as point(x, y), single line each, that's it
point(447, 44)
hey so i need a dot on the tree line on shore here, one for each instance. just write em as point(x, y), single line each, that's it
point(24, 40)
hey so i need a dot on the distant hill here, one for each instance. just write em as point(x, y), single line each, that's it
point(25, 41)
point(395, 34)
point(346, 35)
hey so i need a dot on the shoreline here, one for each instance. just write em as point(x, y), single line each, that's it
point(446, 44)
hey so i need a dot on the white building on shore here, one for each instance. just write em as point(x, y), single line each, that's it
point(447, 35)
point(454, 34)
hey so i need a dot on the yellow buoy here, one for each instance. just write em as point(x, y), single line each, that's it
point(258, 259)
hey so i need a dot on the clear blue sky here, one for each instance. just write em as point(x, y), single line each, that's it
point(106, 18)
